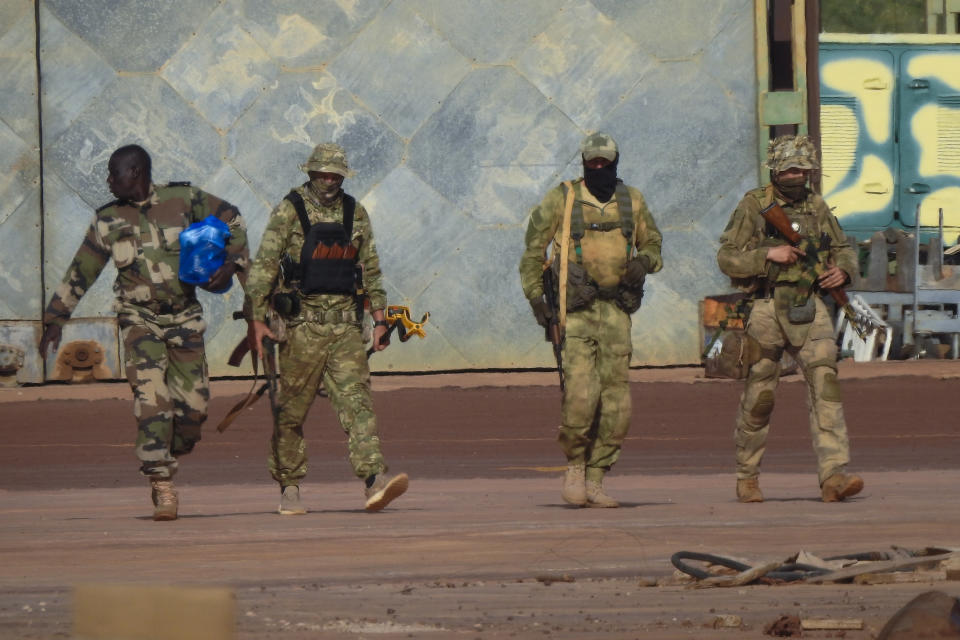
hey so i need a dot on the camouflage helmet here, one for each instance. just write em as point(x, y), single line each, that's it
point(785, 152)
point(328, 158)
point(599, 145)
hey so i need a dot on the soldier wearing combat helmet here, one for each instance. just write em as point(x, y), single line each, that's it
point(602, 242)
point(318, 246)
point(787, 314)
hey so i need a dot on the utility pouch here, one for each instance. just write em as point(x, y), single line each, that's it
point(630, 290)
point(733, 355)
point(326, 260)
point(804, 313)
point(581, 289)
point(287, 304)
point(629, 298)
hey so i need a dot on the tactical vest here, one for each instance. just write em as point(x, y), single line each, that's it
point(578, 227)
point(805, 222)
point(328, 259)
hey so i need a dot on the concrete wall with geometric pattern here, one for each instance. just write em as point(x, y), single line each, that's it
point(458, 115)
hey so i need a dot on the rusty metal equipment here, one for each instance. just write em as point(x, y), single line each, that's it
point(81, 361)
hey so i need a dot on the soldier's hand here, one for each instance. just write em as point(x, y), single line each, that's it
point(541, 311)
point(52, 334)
point(635, 273)
point(379, 331)
point(256, 332)
point(784, 254)
point(832, 278)
point(221, 277)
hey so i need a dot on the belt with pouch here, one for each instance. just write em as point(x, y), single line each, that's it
point(332, 316)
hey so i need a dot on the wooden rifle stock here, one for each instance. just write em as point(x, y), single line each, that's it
point(777, 217)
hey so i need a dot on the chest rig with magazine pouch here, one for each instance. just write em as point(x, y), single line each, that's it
point(582, 289)
point(328, 258)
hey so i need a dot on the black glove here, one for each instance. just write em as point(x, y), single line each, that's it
point(636, 272)
point(51, 336)
point(221, 277)
point(541, 311)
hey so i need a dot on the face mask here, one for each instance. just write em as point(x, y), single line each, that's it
point(601, 182)
point(325, 191)
point(792, 188)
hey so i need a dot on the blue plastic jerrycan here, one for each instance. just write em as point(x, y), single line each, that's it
point(203, 251)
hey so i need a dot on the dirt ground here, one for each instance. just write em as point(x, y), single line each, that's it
point(482, 545)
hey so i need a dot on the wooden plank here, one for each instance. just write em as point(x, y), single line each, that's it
point(829, 624)
point(876, 567)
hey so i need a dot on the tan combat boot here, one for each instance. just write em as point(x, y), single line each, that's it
point(748, 489)
point(840, 486)
point(165, 501)
point(290, 504)
point(596, 496)
point(383, 491)
point(574, 485)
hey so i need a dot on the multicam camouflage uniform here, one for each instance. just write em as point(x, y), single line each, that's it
point(324, 342)
point(776, 288)
point(160, 320)
point(598, 346)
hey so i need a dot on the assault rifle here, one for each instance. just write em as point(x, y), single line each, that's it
point(552, 333)
point(397, 318)
point(269, 370)
point(777, 218)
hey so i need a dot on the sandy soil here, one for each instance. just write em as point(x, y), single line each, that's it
point(481, 546)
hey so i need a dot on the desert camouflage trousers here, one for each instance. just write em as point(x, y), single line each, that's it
point(595, 413)
point(167, 371)
point(332, 354)
point(817, 357)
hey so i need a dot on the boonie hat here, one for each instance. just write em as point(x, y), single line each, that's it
point(328, 157)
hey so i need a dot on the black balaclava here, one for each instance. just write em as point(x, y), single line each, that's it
point(601, 182)
point(793, 189)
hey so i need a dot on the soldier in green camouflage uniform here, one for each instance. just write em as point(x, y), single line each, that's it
point(787, 314)
point(619, 245)
point(160, 320)
point(324, 342)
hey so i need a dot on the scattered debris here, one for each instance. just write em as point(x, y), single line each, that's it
point(926, 564)
point(784, 627)
point(548, 580)
point(727, 621)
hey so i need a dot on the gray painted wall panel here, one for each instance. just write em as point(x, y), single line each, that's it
point(457, 116)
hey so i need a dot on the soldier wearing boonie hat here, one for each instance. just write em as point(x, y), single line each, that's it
point(328, 157)
point(787, 316)
point(611, 245)
point(324, 337)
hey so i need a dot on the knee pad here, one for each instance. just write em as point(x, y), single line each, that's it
point(763, 407)
point(831, 388)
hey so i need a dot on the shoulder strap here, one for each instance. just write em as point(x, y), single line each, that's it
point(768, 195)
point(625, 206)
point(349, 206)
point(565, 255)
point(182, 183)
point(296, 200)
